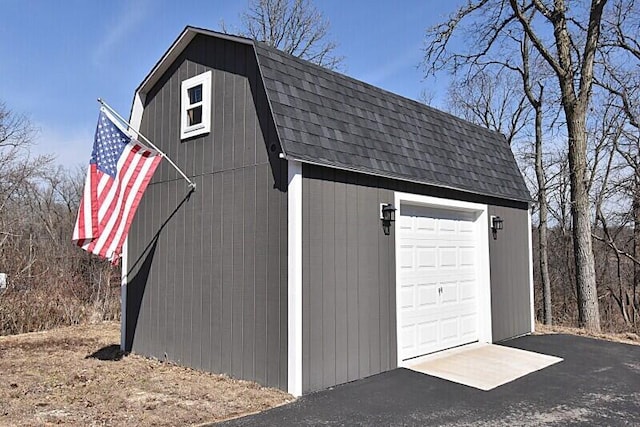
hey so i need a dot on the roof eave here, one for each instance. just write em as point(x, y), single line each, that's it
point(287, 157)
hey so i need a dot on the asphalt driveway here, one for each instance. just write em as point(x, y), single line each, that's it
point(597, 384)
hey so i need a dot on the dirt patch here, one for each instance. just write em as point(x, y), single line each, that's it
point(78, 376)
point(626, 338)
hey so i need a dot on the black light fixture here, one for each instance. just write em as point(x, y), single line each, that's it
point(497, 223)
point(387, 215)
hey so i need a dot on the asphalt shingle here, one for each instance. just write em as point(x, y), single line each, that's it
point(329, 118)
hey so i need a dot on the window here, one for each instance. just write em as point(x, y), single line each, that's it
point(196, 106)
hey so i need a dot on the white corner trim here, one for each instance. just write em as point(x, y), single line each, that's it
point(485, 334)
point(137, 110)
point(135, 120)
point(531, 294)
point(294, 212)
point(123, 295)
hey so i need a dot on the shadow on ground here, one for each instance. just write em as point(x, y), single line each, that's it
point(109, 353)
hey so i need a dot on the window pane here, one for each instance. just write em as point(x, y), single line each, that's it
point(195, 94)
point(195, 115)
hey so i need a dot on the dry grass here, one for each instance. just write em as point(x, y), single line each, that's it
point(44, 308)
point(51, 378)
point(626, 337)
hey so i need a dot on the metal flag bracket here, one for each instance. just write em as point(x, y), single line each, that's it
point(192, 185)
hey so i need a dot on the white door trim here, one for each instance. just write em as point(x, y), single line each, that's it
point(483, 266)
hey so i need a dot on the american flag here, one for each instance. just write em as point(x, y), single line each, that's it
point(119, 171)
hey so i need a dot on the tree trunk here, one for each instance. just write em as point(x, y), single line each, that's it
point(588, 311)
point(575, 105)
point(542, 226)
point(635, 302)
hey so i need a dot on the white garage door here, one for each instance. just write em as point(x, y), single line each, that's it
point(437, 280)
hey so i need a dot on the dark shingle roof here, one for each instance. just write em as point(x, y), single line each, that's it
point(330, 119)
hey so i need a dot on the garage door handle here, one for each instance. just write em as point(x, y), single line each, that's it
point(440, 290)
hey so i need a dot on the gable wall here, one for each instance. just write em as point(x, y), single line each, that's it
point(208, 273)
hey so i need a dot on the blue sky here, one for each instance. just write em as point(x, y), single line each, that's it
point(59, 56)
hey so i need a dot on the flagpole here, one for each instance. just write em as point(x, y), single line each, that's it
point(114, 112)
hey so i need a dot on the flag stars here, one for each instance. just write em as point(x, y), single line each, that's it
point(109, 144)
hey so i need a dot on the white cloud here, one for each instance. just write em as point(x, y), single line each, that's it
point(128, 20)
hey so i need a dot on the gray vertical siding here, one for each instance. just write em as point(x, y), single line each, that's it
point(510, 294)
point(348, 294)
point(208, 277)
point(348, 279)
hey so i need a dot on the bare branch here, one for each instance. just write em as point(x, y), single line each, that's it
point(293, 26)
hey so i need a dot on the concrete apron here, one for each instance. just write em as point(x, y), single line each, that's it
point(482, 366)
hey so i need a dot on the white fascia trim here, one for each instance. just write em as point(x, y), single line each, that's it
point(294, 262)
point(135, 120)
point(484, 273)
point(531, 295)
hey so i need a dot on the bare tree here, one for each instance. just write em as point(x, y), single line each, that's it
point(570, 55)
point(293, 26)
point(19, 170)
point(503, 101)
point(490, 99)
point(535, 96)
point(50, 281)
point(619, 62)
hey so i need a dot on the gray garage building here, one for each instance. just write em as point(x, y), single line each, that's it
point(279, 268)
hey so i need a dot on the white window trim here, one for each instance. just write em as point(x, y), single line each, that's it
point(483, 269)
point(187, 131)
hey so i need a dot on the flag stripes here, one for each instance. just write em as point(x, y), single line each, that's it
point(110, 201)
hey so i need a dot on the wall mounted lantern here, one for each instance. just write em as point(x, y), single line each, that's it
point(496, 224)
point(387, 215)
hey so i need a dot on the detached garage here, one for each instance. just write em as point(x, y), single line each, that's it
point(337, 230)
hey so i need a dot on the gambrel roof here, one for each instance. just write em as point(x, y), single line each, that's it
point(326, 118)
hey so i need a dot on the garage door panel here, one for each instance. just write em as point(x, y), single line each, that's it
point(408, 337)
point(428, 333)
point(405, 257)
point(407, 298)
point(427, 295)
point(468, 325)
point(447, 226)
point(437, 281)
point(448, 257)
point(450, 329)
point(467, 256)
point(425, 225)
point(405, 223)
point(467, 227)
point(448, 293)
point(427, 257)
point(467, 290)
